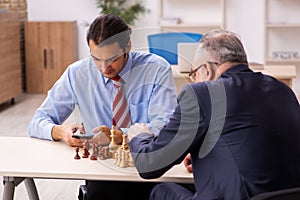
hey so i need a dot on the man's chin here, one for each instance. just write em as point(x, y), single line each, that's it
point(110, 75)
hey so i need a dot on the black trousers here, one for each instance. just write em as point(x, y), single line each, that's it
point(115, 190)
point(120, 190)
point(171, 191)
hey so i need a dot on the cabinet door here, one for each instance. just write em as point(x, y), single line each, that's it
point(61, 50)
point(36, 56)
point(50, 48)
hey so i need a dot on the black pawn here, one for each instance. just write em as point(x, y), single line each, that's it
point(77, 155)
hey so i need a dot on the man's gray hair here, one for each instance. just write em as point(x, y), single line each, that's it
point(223, 46)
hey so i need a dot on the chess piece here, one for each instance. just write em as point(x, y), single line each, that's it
point(86, 152)
point(77, 155)
point(130, 160)
point(124, 142)
point(106, 152)
point(123, 162)
point(101, 153)
point(94, 153)
point(116, 159)
point(118, 156)
point(113, 145)
point(87, 144)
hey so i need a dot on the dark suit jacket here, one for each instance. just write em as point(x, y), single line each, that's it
point(242, 130)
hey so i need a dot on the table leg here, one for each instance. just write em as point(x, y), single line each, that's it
point(9, 186)
point(31, 189)
point(8, 191)
point(11, 182)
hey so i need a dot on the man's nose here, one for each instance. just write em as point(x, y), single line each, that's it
point(103, 64)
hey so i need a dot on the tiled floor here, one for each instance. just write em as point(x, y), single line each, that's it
point(14, 120)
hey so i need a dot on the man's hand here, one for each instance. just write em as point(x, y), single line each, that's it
point(103, 137)
point(65, 132)
point(188, 163)
point(136, 129)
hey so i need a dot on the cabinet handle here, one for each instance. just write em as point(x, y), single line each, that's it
point(45, 58)
point(51, 58)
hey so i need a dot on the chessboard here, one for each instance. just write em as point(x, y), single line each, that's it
point(120, 153)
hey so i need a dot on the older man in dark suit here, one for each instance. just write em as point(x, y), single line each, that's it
point(240, 129)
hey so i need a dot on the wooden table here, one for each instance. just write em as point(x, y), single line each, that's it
point(25, 158)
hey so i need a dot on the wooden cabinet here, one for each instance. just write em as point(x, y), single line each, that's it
point(10, 62)
point(49, 48)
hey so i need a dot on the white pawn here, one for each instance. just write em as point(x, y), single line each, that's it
point(123, 163)
point(119, 153)
point(130, 160)
point(126, 156)
point(116, 158)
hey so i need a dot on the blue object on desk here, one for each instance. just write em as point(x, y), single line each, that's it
point(165, 44)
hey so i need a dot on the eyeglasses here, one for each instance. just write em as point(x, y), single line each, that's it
point(192, 74)
point(107, 61)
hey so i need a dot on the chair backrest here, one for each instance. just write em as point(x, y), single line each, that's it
point(165, 44)
point(287, 194)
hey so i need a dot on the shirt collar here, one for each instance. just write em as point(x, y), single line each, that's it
point(239, 68)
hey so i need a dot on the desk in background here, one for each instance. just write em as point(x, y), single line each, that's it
point(284, 73)
point(24, 158)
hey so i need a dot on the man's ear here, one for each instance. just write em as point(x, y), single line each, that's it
point(128, 47)
point(209, 70)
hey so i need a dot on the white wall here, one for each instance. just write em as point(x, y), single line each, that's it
point(247, 19)
point(240, 19)
point(85, 11)
point(243, 17)
point(65, 10)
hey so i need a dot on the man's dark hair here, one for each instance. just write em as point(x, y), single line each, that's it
point(107, 29)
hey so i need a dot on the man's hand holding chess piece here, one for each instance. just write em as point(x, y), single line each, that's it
point(102, 136)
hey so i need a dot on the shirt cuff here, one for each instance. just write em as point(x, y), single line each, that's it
point(47, 131)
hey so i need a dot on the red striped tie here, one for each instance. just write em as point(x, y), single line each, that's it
point(120, 116)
